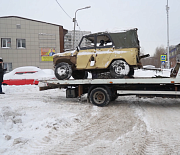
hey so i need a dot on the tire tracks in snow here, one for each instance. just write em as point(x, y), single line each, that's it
point(127, 126)
point(163, 132)
point(98, 129)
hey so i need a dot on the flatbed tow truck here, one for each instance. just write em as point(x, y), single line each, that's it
point(101, 91)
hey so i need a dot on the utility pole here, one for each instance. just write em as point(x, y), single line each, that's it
point(74, 20)
point(167, 10)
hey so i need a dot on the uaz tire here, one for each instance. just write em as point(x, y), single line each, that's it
point(119, 69)
point(63, 71)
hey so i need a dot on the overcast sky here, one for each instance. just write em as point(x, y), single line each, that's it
point(149, 16)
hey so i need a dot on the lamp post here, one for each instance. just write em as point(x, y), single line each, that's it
point(167, 9)
point(74, 20)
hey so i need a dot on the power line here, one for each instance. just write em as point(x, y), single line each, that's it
point(67, 14)
point(63, 9)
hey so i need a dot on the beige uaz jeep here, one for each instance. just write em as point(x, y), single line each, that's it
point(117, 53)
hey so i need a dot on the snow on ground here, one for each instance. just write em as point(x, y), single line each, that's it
point(46, 122)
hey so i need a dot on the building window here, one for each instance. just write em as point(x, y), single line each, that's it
point(18, 26)
point(21, 43)
point(6, 42)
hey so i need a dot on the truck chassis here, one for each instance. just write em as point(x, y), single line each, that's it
point(101, 91)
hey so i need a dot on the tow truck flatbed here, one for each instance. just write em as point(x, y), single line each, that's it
point(102, 91)
point(117, 81)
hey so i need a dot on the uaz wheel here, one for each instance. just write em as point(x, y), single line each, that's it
point(63, 71)
point(99, 96)
point(119, 69)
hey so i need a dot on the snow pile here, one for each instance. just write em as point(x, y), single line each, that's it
point(30, 72)
point(23, 119)
point(152, 73)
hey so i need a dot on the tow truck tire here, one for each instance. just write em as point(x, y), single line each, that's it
point(99, 97)
point(79, 74)
point(63, 71)
point(119, 69)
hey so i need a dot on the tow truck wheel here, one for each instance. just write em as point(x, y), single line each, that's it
point(119, 69)
point(99, 97)
point(79, 74)
point(63, 71)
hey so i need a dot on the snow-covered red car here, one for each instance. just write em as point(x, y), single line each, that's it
point(27, 75)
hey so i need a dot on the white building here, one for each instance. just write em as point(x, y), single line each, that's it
point(68, 39)
point(28, 42)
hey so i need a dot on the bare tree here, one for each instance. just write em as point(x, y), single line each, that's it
point(155, 59)
point(159, 51)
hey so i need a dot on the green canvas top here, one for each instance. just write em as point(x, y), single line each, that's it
point(128, 39)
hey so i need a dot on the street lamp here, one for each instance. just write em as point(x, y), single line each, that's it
point(167, 9)
point(74, 20)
